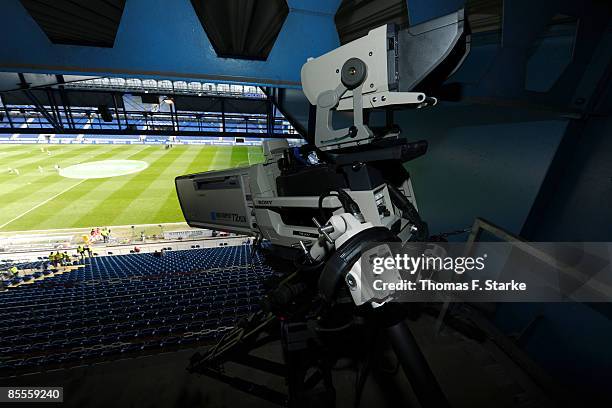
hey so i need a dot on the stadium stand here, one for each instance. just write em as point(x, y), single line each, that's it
point(23, 265)
point(131, 139)
point(124, 306)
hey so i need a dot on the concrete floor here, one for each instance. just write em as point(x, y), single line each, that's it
point(471, 374)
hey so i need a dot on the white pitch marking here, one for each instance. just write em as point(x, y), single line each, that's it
point(221, 159)
point(103, 169)
point(41, 204)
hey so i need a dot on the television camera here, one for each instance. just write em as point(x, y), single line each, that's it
point(326, 203)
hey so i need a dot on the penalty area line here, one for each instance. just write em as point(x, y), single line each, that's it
point(42, 203)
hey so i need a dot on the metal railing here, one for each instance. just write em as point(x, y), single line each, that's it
point(27, 119)
point(168, 86)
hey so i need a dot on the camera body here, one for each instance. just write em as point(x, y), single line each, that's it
point(358, 170)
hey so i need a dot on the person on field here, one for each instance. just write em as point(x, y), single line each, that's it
point(60, 258)
point(104, 235)
point(52, 260)
point(88, 250)
point(81, 252)
point(55, 261)
point(14, 271)
point(66, 258)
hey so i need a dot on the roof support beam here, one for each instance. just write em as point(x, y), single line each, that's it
point(43, 111)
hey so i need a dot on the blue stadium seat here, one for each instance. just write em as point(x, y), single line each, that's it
point(127, 304)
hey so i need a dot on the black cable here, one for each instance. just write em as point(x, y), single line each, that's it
point(409, 212)
point(349, 205)
point(444, 235)
point(255, 247)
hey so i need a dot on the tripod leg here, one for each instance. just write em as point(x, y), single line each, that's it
point(362, 376)
point(414, 364)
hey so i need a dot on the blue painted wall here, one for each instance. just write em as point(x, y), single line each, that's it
point(423, 10)
point(485, 164)
point(160, 38)
point(490, 161)
point(581, 207)
point(164, 39)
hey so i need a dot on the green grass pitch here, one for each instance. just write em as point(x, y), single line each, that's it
point(39, 198)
